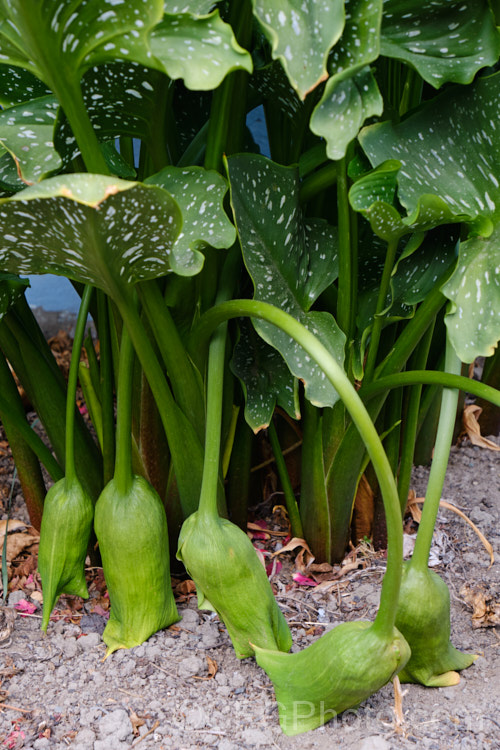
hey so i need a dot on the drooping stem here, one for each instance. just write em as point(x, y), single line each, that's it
point(123, 467)
point(384, 621)
point(345, 305)
point(446, 425)
point(72, 382)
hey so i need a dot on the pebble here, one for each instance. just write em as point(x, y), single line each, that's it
point(116, 724)
point(90, 640)
point(191, 665)
point(375, 742)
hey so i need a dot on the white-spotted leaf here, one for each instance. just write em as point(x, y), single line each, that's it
point(450, 148)
point(27, 133)
point(265, 378)
point(92, 229)
point(200, 195)
point(291, 261)
point(195, 7)
point(11, 288)
point(473, 321)
point(68, 37)
point(200, 50)
point(17, 86)
point(301, 34)
point(445, 41)
point(344, 107)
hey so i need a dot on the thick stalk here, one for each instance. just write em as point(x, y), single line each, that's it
point(384, 621)
point(106, 386)
point(431, 377)
point(76, 353)
point(440, 458)
point(344, 301)
point(378, 321)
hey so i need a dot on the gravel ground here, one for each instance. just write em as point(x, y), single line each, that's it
point(163, 694)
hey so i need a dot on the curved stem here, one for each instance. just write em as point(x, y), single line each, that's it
point(384, 621)
point(439, 465)
point(431, 377)
point(72, 382)
point(123, 466)
point(290, 500)
point(344, 301)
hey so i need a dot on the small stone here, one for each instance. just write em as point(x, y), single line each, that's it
point(16, 596)
point(190, 619)
point(91, 640)
point(41, 744)
point(375, 742)
point(70, 648)
point(85, 737)
point(227, 745)
point(116, 724)
point(257, 738)
point(191, 665)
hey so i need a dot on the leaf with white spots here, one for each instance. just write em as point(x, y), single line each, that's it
point(444, 41)
point(92, 229)
point(17, 86)
point(301, 34)
point(473, 320)
point(200, 50)
point(265, 378)
point(195, 7)
point(27, 133)
point(200, 194)
point(291, 261)
point(344, 107)
point(11, 288)
point(449, 152)
point(68, 37)
point(121, 99)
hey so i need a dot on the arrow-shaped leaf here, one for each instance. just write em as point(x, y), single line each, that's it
point(302, 33)
point(291, 261)
point(92, 229)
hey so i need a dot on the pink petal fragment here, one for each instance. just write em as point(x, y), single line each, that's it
point(303, 580)
point(25, 606)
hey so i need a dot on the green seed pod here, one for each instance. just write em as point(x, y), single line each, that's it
point(423, 616)
point(64, 537)
point(131, 528)
point(231, 580)
point(338, 671)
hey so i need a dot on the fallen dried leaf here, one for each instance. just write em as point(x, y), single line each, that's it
point(136, 722)
point(471, 425)
point(485, 609)
point(301, 563)
point(364, 510)
point(212, 667)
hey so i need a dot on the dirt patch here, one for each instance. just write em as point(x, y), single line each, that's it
point(184, 688)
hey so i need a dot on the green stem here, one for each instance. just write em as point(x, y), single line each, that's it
point(384, 621)
point(344, 301)
point(442, 446)
point(76, 353)
point(290, 500)
point(430, 377)
point(106, 386)
point(378, 321)
point(318, 182)
point(123, 467)
point(411, 422)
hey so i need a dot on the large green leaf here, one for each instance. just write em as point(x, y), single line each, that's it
point(449, 149)
point(26, 132)
point(92, 229)
point(473, 320)
point(265, 378)
point(201, 50)
point(291, 261)
point(351, 94)
point(302, 33)
point(200, 195)
point(445, 41)
point(64, 39)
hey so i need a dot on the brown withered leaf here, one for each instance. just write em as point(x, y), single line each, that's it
point(184, 588)
point(136, 722)
point(212, 667)
point(485, 608)
point(305, 556)
point(364, 510)
point(471, 426)
point(17, 543)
